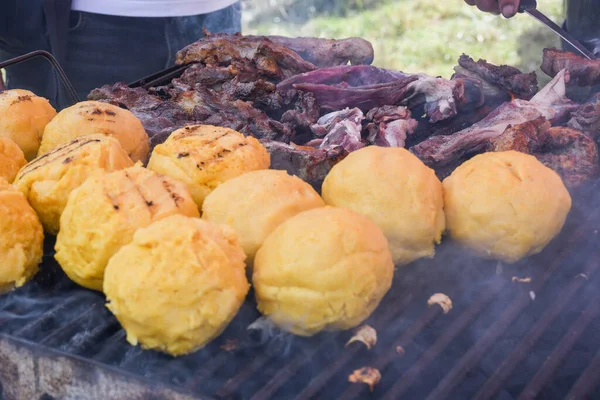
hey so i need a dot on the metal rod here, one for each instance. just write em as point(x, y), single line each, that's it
point(495, 382)
point(554, 361)
point(50, 58)
point(588, 381)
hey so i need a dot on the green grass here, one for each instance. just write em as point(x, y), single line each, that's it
point(429, 35)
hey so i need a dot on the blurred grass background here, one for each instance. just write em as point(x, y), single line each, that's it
point(412, 35)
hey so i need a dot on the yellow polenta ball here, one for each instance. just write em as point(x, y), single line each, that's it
point(397, 191)
point(95, 117)
point(104, 212)
point(204, 156)
point(23, 117)
point(505, 205)
point(324, 269)
point(257, 202)
point(21, 238)
point(177, 285)
point(48, 180)
point(11, 159)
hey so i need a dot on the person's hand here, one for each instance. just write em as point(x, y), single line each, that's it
point(508, 8)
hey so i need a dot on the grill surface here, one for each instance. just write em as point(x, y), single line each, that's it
point(502, 339)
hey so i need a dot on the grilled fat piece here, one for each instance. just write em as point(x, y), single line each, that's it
point(48, 180)
point(103, 213)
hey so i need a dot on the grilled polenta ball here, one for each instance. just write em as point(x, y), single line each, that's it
point(21, 238)
point(95, 117)
point(324, 269)
point(397, 191)
point(103, 213)
point(23, 117)
point(204, 156)
point(257, 202)
point(505, 205)
point(177, 285)
point(48, 180)
point(11, 159)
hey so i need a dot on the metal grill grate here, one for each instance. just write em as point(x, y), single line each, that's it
point(497, 342)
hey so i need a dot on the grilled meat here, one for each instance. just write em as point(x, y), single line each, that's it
point(271, 59)
point(587, 118)
point(583, 72)
point(327, 52)
point(569, 152)
point(507, 79)
point(551, 102)
point(340, 128)
point(389, 126)
point(366, 87)
point(308, 163)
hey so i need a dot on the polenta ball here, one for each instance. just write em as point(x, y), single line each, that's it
point(21, 238)
point(104, 212)
point(397, 191)
point(177, 285)
point(204, 156)
point(256, 203)
point(12, 159)
point(95, 117)
point(23, 118)
point(505, 205)
point(323, 269)
point(48, 180)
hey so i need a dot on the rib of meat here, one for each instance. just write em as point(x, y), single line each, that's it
point(506, 78)
point(366, 87)
point(583, 72)
point(571, 153)
point(340, 128)
point(587, 118)
point(328, 52)
point(551, 102)
point(271, 59)
point(389, 126)
point(198, 74)
point(310, 164)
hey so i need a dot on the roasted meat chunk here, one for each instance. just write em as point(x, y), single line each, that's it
point(583, 72)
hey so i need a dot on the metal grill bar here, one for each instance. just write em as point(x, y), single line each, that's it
point(560, 352)
point(460, 324)
point(494, 383)
point(588, 381)
point(476, 352)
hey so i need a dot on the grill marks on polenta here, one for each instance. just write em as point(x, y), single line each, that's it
point(212, 140)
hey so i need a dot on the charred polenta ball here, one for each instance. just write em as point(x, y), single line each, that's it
point(505, 205)
point(95, 117)
point(23, 117)
point(103, 213)
point(256, 203)
point(204, 156)
point(177, 285)
point(397, 191)
point(11, 159)
point(21, 238)
point(323, 269)
point(48, 180)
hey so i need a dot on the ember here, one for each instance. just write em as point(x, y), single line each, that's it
point(367, 375)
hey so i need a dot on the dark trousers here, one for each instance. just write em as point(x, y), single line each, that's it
point(104, 49)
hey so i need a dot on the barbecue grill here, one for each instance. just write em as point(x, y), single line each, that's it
point(503, 339)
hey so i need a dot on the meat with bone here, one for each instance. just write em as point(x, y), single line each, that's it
point(583, 72)
point(366, 87)
point(587, 118)
point(327, 52)
point(270, 59)
point(340, 128)
point(308, 163)
point(569, 152)
point(551, 102)
point(389, 126)
point(505, 78)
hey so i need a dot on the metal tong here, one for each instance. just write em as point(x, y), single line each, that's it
point(530, 7)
